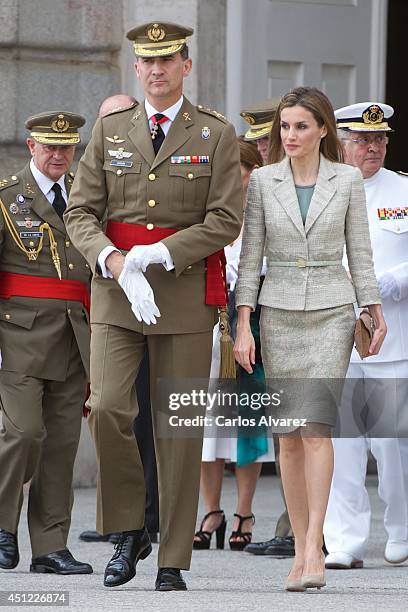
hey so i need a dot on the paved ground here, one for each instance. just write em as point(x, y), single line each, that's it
point(220, 580)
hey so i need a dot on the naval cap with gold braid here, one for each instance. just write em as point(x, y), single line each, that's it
point(364, 117)
point(260, 118)
point(55, 127)
point(158, 39)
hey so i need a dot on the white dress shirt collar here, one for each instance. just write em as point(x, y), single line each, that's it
point(46, 184)
point(170, 113)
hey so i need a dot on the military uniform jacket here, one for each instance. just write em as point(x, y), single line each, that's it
point(201, 200)
point(35, 333)
point(387, 209)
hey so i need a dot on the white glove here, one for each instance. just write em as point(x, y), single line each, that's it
point(140, 295)
point(388, 286)
point(141, 256)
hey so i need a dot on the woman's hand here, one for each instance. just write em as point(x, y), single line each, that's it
point(244, 347)
point(380, 328)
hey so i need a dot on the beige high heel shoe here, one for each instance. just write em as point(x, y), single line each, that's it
point(294, 586)
point(314, 580)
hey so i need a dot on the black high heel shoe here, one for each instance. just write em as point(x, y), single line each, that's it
point(205, 536)
point(245, 535)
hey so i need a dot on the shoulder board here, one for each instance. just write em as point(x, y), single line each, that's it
point(121, 109)
point(8, 181)
point(71, 174)
point(213, 113)
point(402, 173)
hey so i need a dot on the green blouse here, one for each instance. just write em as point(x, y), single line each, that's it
point(304, 195)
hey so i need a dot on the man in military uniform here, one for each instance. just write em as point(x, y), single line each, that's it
point(44, 343)
point(260, 118)
point(378, 385)
point(166, 176)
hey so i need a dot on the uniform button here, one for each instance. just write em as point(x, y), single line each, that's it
point(67, 243)
point(190, 176)
point(189, 267)
point(14, 178)
point(152, 177)
point(150, 226)
point(8, 317)
point(71, 266)
point(69, 311)
point(119, 172)
point(152, 203)
point(86, 266)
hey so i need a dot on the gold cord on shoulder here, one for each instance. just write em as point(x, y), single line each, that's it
point(32, 253)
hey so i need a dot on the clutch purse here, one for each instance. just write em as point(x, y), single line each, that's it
point(363, 333)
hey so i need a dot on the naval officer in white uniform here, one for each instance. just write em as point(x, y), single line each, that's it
point(380, 383)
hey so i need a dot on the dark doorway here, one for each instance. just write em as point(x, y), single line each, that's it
point(397, 83)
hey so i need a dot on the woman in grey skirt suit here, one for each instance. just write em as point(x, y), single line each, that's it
point(302, 210)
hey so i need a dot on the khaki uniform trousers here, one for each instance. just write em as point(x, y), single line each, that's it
point(116, 354)
point(39, 441)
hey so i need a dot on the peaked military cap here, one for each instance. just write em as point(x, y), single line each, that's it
point(55, 127)
point(260, 118)
point(364, 117)
point(158, 38)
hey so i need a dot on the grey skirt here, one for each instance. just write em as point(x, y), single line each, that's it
point(305, 356)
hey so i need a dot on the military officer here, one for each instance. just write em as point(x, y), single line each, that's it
point(166, 175)
point(44, 343)
point(260, 118)
point(377, 385)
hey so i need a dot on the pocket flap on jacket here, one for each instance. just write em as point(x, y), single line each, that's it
point(190, 171)
point(17, 315)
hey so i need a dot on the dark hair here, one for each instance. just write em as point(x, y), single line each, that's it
point(249, 155)
point(316, 102)
point(184, 52)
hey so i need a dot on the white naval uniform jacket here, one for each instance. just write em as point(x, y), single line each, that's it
point(389, 240)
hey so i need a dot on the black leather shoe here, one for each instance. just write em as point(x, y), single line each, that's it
point(132, 546)
point(94, 536)
point(9, 556)
point(277, 547)
point(59, 562)
point(170, 579)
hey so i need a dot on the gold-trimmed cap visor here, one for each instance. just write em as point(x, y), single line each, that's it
point(258, 131)
point(55, 128)
point(364, 117)
point(158, 39)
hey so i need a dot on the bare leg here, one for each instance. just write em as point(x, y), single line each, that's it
point(247, 478)
point(212, 473)
point(318, 449)
point(292, 462)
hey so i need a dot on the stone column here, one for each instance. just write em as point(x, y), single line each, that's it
point(54, 54)
point(206, 83)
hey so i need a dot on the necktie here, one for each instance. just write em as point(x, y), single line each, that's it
point(59, 202)
point(157, 131)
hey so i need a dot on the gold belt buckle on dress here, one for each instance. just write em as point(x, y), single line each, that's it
point(301, 263)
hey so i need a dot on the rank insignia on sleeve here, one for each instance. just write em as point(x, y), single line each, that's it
point(190, 159)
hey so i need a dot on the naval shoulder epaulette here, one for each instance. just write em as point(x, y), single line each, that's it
point(121, 109)
point(213, 113)
point(402, 173)
point(8, 181)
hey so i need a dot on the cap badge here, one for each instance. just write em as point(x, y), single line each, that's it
point(205, 133)
point(248, 118)
point(156, 33)
point(60, 124)
point(373, 115)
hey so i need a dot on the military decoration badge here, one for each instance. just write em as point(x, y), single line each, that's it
point(205, 133)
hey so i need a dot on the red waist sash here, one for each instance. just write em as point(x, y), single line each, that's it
point(126, 235)
point(23, 285)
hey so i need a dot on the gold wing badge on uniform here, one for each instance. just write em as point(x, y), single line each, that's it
point(115, 139)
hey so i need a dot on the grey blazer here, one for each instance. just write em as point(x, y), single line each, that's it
point(337, 216)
